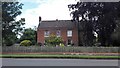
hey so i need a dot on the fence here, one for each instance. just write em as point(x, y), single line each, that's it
point(37, 49)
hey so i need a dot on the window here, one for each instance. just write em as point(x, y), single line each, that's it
point(58, 33)
point(46, 33)
point(69, 33)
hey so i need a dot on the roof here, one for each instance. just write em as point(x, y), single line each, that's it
point(56, 24)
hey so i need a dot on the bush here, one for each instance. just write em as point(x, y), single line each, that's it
point(26, 43)
point(9, 41)
point(62, 45)
point(53, 40)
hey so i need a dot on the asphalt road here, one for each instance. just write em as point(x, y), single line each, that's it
point(57, 62)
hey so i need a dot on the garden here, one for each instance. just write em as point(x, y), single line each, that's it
point(17, 51)
point(54, 48)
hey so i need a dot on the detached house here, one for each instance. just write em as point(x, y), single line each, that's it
point(66, 29)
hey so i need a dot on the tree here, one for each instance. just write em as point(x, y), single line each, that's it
point(116, 34)
point(10, 10)
point(53, 40)
point(96, 17)
point(29, 34)
point(11, 27)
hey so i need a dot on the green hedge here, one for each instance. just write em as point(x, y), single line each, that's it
point(26, 43)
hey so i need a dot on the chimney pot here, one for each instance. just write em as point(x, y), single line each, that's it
point(39, 18)
point(56, 19)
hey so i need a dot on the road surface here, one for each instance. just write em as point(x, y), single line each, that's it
point(57, 62)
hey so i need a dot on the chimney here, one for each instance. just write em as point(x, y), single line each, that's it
point(56, 19)
point(39, 19)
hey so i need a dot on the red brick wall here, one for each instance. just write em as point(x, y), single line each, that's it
point(75, 36)
point(40, 35)
point(64, 34)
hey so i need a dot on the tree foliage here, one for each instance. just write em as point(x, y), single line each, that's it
point(53, 40)
point(11, 27)
point(96, 17)
point(26, 43)
point(116, 34)
point(29, 34)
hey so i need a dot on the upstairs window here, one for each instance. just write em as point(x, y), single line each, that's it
point(58, 33)
point(46, 33)
point(69, 33)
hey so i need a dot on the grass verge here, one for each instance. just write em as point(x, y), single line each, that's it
point(57, 56)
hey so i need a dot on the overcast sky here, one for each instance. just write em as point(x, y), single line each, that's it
point(47, 9)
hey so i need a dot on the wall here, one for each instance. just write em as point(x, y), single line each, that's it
point(40, 35)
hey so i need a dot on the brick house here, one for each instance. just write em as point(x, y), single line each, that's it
point(66, 29)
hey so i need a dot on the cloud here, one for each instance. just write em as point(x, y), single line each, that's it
point(48, 10)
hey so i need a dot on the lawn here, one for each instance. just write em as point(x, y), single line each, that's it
point(57, 56)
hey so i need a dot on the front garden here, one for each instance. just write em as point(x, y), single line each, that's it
point(17, 51)
point(54, 48)
point(57, 56)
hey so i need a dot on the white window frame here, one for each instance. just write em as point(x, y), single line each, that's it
point(46, 33)
point(69, 33)
point(58, 33)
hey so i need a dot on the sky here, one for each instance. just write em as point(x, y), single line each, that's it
point(47, 9)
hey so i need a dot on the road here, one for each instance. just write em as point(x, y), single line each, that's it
point(57, 62)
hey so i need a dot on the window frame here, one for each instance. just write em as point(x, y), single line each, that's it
point(69, 33)
point(58, 33)
point(46, 33)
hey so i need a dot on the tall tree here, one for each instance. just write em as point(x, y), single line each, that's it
point(96, 17)
point(29, 34)
point(116, 34)
point(11, 27)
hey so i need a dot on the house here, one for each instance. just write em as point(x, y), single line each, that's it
point(66, 29)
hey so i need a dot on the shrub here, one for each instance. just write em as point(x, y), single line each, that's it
point(26, 43)
point(53, 40)
point(62, 45)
